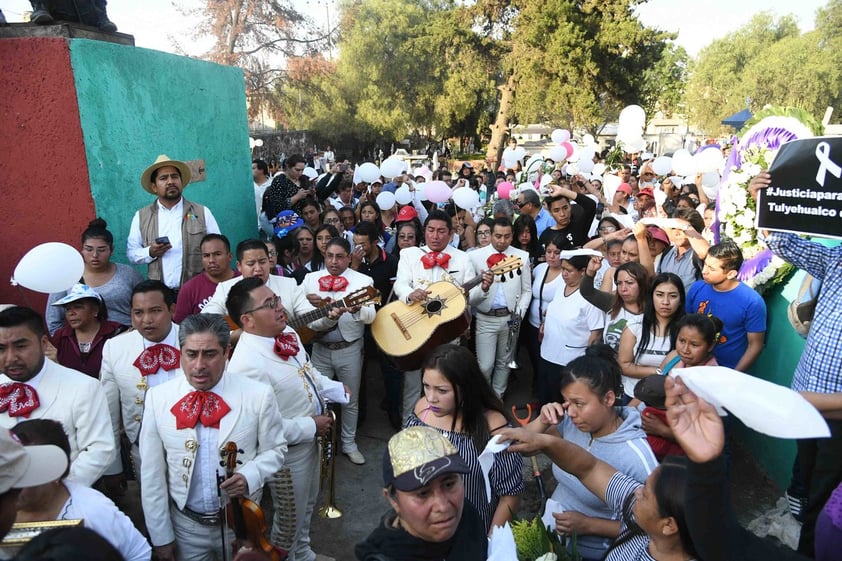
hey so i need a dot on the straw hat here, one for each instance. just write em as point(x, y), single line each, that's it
point(164, 160)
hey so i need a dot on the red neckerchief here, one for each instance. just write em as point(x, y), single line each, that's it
point(495, 258)
point(156, 357)
point(434, 258)
point(199, 407)
point(330, 283)
point(18, 399)
point(286, 345)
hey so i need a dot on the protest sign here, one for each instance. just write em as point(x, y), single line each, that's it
point(805, 195)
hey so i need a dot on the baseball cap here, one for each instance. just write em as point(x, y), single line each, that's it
point(624, 188)
point(658, 234)
point(27, 466)
point(417, 455)
point(406, 213)
point(78, 292)
point(646, 192)
point(467, 165)
point(650, 390)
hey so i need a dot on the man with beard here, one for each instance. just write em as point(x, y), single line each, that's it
point(167, 234)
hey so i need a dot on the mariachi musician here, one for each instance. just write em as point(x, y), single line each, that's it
point(186, 424)
point(269, 351)
point(420, 267)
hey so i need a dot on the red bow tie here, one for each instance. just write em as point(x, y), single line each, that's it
point(18, 399)
point(202, 407)
point(286, 345)
point(156, 357)
point(434, 258)
point(329, 283)
point(494, 259)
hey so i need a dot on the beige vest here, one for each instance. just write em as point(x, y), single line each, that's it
point(192, 232)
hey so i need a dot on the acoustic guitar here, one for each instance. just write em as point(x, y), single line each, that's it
point(408, 332)
point(365, 295)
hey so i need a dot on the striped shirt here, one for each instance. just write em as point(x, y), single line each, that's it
point(506, 475)
point(820, 366)
point(620, 487)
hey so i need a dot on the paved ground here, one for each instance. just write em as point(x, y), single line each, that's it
point(359, 488)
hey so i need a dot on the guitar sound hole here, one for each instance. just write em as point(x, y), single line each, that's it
point(433, 306)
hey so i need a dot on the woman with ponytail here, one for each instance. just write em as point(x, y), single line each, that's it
point(590, 416)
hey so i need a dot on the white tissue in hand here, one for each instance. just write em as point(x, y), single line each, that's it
point(486, 459)
point(551, 507)
point(763, 406)
point(501, 545)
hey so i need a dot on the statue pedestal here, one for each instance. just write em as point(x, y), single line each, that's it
point(63, 29)
point(84, 113)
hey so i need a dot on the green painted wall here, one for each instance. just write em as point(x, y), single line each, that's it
point(777, 364)
point(137, 103)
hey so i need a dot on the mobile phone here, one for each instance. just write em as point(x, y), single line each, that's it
point(162, 240)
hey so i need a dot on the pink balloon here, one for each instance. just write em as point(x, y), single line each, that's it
point(568, 147)
point(437, 191)
point(505, 189)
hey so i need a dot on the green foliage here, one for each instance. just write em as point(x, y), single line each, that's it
point(772, 63)
point(533, 540)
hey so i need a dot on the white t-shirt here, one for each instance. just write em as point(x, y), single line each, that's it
point(653, 355)
point(103, 516)
point(568, 325)
point(541, 300)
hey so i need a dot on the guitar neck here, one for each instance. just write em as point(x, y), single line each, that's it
point(468, 285)
point(317, 314)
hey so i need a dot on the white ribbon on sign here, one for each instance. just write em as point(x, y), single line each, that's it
point(826, 164)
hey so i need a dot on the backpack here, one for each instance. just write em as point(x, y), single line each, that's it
point(800, 311)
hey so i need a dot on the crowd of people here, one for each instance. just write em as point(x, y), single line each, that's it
point(149, 377)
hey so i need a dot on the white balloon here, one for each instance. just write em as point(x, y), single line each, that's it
point(558, 153)
point(520, 152)
point(385, 200)
point(708, 160)
point(575, 155)
point(258, 142)
point(710, 179)
point(509, 154)
point(369, 172)
point(419, 190)
point(633, 145)
point(682, 163)
point(509, 164)
point(466, 198)
point(599, 169)
point(437, 191)
point(556, 136)
point(610, 182)
point(392, 167)
point(533, 162)
point(50, 267)
point(587, 152)
point(589, 140)
point(310, 173)
point(633, 115)
point(585, 165)
point(403, 195)
point(251, 145)
point(662, 165)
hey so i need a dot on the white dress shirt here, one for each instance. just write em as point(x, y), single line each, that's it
point(169, 225)
point(203, 495)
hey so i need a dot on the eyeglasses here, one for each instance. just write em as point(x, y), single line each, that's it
point(607, 229)
point(272, 253)
point(332, 221)
point(483, 233)
point(271, 304)
point(406, 237)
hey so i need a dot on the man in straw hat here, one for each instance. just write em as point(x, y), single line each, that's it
point(167, 234)
point(430, 518)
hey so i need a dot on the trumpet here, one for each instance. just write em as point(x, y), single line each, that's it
point(514, 334)
point(328, 468)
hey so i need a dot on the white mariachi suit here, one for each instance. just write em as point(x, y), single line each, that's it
point(125, 387)
point(494, 313)
point(293, 298)
point(180, 465)
point(300, 391)
point(412, 275)
point(76, 401)
point(339, 353)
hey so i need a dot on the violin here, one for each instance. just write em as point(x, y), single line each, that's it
point(245, 517)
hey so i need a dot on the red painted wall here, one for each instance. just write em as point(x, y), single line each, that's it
point(46, 194)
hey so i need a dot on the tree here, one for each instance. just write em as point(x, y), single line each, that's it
point(718, 84)
point(258, 36)
point(571, 63)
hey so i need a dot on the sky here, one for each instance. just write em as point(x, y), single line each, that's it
point(157, 24)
